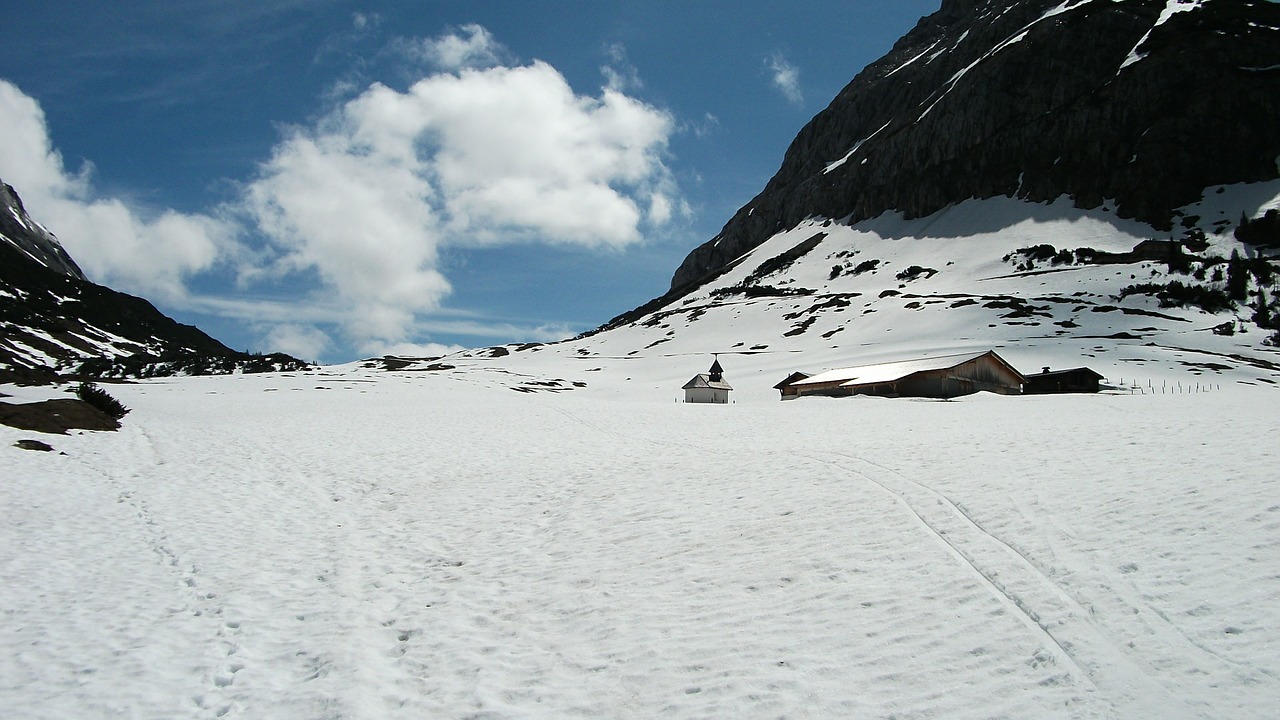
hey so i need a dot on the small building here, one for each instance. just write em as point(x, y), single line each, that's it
point(945, 376)
point(708, 387)
point(1075, 380)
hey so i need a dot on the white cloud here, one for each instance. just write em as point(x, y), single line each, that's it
point(358, 205)
point(301, 341)
point(785, 77)
point(703, 127)
point(415, 350)
point(151, 252)
point(369, 195)
point(362, 220)
point(471, 46)
point(620, 74)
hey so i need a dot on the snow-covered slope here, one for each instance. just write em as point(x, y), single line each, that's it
point(826, 295)
point(361, 544)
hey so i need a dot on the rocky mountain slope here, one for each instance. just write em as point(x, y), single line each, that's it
point(54, 320)
point(1142, 103)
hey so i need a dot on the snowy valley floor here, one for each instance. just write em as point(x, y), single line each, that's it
point(371, 545)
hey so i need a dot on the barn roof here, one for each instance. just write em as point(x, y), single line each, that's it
point(788, 380)
point(1071, 371)
point(893, 371)
point(703, 380)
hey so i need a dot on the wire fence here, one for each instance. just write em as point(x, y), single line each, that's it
point(1136, 386)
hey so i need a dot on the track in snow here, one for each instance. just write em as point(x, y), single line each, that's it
point(1077, 641)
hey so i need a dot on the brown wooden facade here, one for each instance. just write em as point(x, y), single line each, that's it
point(941, 377)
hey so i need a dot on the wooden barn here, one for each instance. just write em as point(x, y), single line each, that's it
point(945, 376)
point(708, 387)
point(1075, 380)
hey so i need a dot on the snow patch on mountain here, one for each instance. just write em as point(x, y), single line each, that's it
point(1171, 8)
point(856, 146)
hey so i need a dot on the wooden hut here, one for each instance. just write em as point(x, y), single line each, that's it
point(1075, 380)
point(708, 387)
point(945, 376)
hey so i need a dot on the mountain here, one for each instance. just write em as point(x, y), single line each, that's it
point(1074, 183)
point(54, 320)
point(1138, 103)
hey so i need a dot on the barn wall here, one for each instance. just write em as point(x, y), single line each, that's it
point(977, 375)
point(833, 389)
point(986, 373)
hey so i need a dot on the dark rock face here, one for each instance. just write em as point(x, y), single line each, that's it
point(1094, 99)
point(76, 326)
point(30, 238)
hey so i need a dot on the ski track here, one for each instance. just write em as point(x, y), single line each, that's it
point(428, 549)
point(1082, 646)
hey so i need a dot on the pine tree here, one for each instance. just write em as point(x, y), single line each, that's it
point(1237, 277)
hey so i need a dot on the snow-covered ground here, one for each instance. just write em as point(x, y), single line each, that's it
point(352, 543)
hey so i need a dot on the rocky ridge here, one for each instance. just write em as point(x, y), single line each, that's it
point(53, 321)
point(1139, 104)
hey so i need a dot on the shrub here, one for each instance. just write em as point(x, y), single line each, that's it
point(1085, 255)
point(1178, 294)
point(1043, 253)
point(100, 399)
point(915, 271)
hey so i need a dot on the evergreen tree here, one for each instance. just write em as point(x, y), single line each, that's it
point(1237, 277)
point(1262, 313)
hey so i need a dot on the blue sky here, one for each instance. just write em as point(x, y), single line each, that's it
point(339, 180)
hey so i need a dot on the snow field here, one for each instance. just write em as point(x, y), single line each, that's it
point(367, 545)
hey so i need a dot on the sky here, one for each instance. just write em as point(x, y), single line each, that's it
point(339, 180)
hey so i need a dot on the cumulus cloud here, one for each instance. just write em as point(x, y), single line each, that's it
point(478, 157)
point(143, 250)
point(785, 77)
point(356, 207)
point(360, 220)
